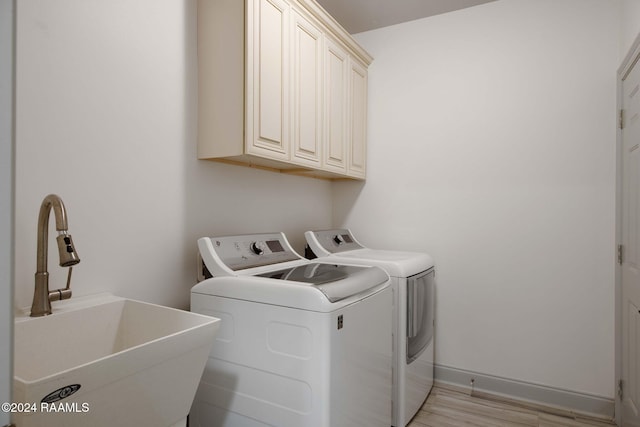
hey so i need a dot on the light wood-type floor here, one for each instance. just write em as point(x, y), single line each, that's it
point(451, 408)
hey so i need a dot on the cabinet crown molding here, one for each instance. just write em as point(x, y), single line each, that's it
point(338, 30)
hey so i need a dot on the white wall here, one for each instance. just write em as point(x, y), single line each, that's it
point(630, 18)
point(106, 118)
point(492, 147)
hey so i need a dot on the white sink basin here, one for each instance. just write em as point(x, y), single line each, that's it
point(136, 364)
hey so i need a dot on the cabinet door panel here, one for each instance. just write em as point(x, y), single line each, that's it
point(307, 106)
point(358, 131)
point(335, 107)
point(267, 101)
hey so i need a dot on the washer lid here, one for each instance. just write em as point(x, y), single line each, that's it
point(283, 293)
point(336, 282)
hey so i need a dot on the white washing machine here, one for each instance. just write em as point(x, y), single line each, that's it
point(412, 277)
point(301, 343)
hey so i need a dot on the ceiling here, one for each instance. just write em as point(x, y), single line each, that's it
point(357, 16)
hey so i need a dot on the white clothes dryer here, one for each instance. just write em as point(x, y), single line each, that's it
point(413, 282)
point(301, 343)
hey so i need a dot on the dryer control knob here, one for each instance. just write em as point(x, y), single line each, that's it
point(257, 248)
point(338, 239)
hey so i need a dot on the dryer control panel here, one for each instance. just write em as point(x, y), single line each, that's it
point(334, 241)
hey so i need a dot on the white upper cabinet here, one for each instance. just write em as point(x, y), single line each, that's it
point(358, 120)
point(280, 86)
point(307, 92)
point(267, 109)
point(336, 67)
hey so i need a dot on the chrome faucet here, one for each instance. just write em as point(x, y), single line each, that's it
point(42, 297)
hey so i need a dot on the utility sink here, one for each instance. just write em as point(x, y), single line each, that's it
point(109, 361)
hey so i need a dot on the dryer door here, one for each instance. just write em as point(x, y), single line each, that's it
point(420, 312)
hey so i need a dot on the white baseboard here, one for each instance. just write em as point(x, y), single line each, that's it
point(556, 399)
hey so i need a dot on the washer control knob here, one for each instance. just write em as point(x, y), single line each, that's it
point(338, 239)
point(257, 248)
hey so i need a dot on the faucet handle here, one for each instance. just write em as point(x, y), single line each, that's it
point(67, 251)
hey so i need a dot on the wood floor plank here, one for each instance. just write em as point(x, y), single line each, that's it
point(439, 421)
point(550, 420)
point(497, 419)
point(492, 410)
point(452, 408)
point(485, 399)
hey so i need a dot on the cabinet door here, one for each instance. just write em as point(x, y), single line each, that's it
point(307, 95)
point(358, 114)
point(335, 79)
point(267, 68)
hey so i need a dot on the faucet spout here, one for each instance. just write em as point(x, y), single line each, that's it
point(42, 297)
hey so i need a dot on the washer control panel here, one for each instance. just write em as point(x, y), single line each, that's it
point(338, 240)
point(253, 250)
